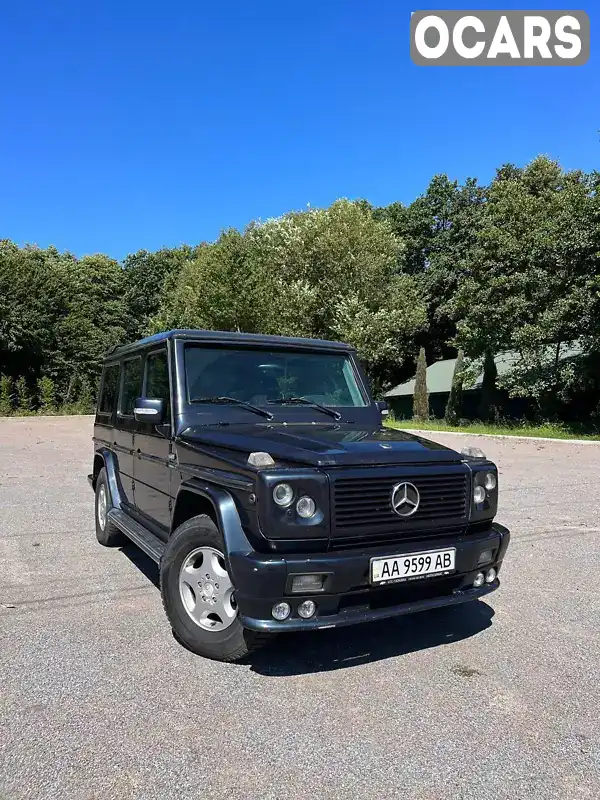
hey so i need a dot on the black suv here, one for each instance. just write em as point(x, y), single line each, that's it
point(256, 472)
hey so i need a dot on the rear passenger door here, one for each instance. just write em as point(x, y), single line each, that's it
point(107, 405)
point(124, 432)
point(152, 473)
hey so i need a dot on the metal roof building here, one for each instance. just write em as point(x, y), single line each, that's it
point(439, 382)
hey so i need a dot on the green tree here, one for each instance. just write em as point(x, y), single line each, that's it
point(329, 273)
point(85, 397)
point(24, 398)
point(421, 396)
point(487, 409)
point(210, 291)
point(46, 395)
point(454, 404)
point(94, 322)
point(530, 284)
point(6, 396)
point(145, 277)
point(439, 230)
point(33, 298)
point(58, 314)
point(513, 266)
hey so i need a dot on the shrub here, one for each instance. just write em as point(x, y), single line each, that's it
point(420, 397)
point(24, 398)
point(487, 410)
point(6, 396)
point(454, 404)
point(85, 399)
point(46, 395)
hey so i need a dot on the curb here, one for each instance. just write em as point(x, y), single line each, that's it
point(501, 436)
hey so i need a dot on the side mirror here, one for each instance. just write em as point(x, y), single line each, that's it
point(383, 407)
point(149, 411)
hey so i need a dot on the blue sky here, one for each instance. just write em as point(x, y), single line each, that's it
point(129, 125)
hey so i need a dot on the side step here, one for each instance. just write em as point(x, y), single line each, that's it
point(146, 541)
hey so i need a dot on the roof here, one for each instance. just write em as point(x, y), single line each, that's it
point(232, 338)
point(439, 374)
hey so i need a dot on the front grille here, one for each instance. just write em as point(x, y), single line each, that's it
point(362, 506)
point(405, 535)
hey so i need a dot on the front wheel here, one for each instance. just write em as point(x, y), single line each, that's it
point(198, 594)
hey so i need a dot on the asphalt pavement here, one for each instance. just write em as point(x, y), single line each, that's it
point(498, 699)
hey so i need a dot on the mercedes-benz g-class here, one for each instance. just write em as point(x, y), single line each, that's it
point(255, 470)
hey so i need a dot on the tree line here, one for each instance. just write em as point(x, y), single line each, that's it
point(480, 269)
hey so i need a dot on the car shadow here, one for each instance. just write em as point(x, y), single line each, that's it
point(143, 562)
point(342, 648)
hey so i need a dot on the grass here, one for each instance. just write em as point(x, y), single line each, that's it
point(545, 430)
point(73, 409)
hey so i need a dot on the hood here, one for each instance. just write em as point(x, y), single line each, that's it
point(322, 445)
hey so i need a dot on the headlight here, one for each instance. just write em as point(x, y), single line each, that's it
point(306, 507)
point(283, 494)
point(479, 494)
point(490, 481)
point(484, 497)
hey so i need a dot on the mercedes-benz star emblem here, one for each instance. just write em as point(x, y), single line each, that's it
point(405, 499)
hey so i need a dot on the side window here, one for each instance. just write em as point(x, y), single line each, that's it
point(110, 388)
point(157, 379)
point(131, 388)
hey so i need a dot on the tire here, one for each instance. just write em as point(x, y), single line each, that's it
point(106, 533)
point(198, 596)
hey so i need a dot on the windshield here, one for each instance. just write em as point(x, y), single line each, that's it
point(264, 377)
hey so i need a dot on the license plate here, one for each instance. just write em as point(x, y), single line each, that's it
point(394, 569)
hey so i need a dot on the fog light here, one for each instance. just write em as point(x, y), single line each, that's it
point(280, 611)
point(308, 583)
point(490, 481)
point(479, 494)
point(306, 507)
point(485, 557)
point(307, 609)
point(490, 575)
point(479, 580)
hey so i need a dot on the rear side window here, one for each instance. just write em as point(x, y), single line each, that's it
point(132, 386)
point(110, 388)
point(157, 378)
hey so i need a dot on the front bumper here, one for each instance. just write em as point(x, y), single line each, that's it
point(348, 598)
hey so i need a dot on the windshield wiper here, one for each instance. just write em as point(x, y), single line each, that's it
point(282, 401)
point(234, 401)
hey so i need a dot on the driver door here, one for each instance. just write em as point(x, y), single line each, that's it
point(153, 447)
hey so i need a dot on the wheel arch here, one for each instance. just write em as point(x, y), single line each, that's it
point(191, 503)
point(105, 459)
point(198, 497)
point(98, 465)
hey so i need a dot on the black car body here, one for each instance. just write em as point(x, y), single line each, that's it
point(180, 436)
